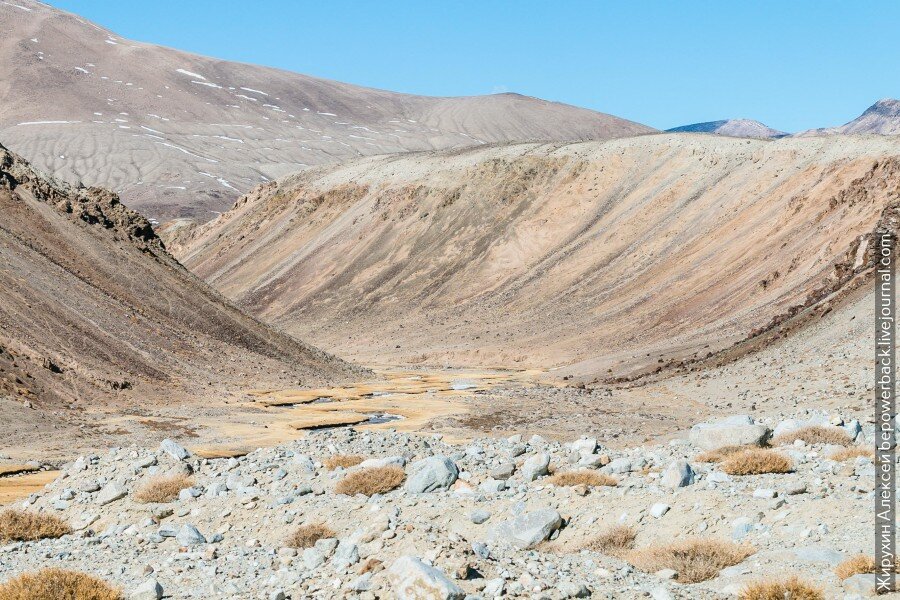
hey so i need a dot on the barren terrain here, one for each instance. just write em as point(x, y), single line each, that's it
point(181, 135)
point(597, 260)
point(95, 315)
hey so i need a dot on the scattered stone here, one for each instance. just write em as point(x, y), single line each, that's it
point(479, 516)
point(735, 430)
point(112, 492)
point(535, 466)
point(173, 449)
point(678, 474)
point(431, 474)
point(148, 590)
point(528, 529)
point(188, 535)
point(412, 579)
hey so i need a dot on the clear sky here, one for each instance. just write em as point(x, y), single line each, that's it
point(793, 64)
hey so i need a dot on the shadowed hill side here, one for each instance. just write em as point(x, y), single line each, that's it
point(93, 309)
point(603, 258)
point(732, 127)
point(181, 135)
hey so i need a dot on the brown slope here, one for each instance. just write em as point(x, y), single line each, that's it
point(603, 258)
point(94, 312)
point(183, 135)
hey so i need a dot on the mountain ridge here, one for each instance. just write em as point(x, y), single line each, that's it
point(882, 118)
point(732, 127)
point(184, 135)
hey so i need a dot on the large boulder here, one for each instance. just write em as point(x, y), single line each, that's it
point(149, 589)
point(112, 492)
point(735, 430)
point(174, 449)
point(528, 529)
point(188, 535)
point(431, 474)
point(535, 466)
point(412, 579)
point(678, 474)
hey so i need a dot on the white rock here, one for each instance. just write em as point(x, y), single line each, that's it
point(174, 449)
point(411, 579)
point(659, 509)
point(735, 430)
point(431, 474)
point(188, 535)
point(584, 446)
point(535, 466)
point(678, 474)
point(111, 492)
point(389, 461)
point(527, 529)
point(148, 590)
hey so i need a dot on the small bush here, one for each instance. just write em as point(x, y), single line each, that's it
point(851, 453)
point(793, 589)
point(757, 462)
point(342, 460)
point(861, 563)
point(614, 541)
point(377, 480)
point(693, 560)
point(720, 454)
point(57, 584)
point(582, 477)
point(815, 434)
point(22, 526)
point(163, 488)
point(306, 536)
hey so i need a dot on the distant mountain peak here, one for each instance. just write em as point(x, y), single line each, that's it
point(888, 107)
point(732, 127)
point(882, 118)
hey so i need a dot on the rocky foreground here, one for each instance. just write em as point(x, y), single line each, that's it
point(495, 518)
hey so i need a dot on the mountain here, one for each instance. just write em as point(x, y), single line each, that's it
point(600, 259)
point(95, 313)
point(732, 127)
point(180, 135)
point(882, 118)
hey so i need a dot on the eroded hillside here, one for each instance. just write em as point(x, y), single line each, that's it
point(93, 310)
point(601, 258)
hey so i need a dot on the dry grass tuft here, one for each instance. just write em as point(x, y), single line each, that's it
point(377, 480)
point(861, 563)
point(614, 541)
point(694, 560)
point(582, 477)
point(57, 584)
point(163, 488)
point(720, 454)
point(851, 453)
point(342, 460)
point(22, 526)
point(793, 589)
point(757, 462)
point(306, 536)
point(815, 434)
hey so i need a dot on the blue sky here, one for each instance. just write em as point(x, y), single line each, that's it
point(793, 64)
